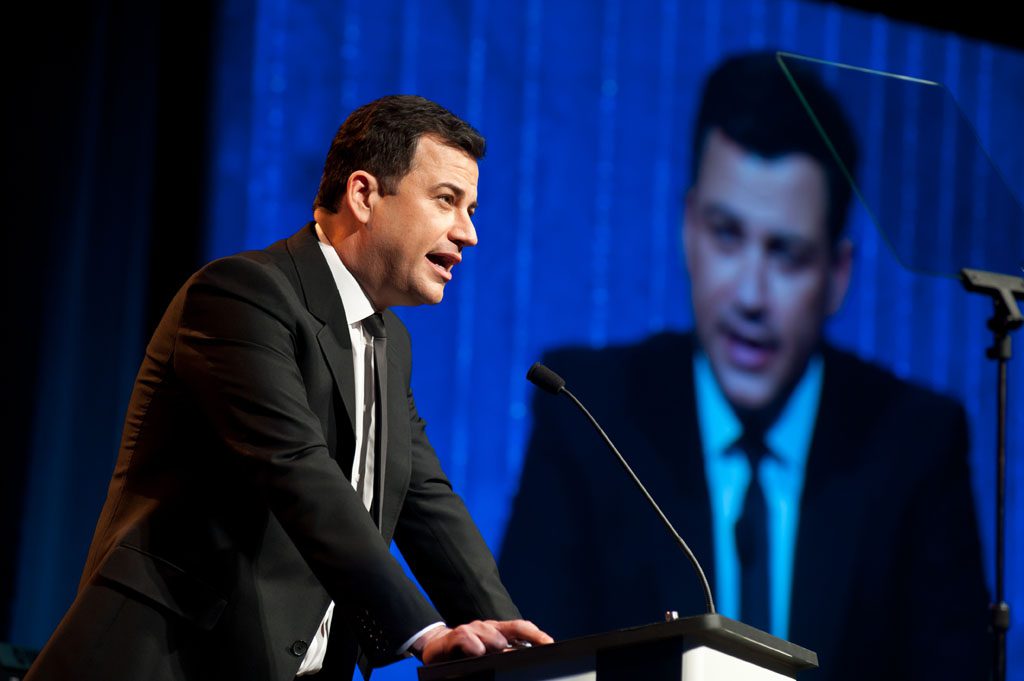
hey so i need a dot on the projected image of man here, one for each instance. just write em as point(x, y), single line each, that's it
point(828, 500)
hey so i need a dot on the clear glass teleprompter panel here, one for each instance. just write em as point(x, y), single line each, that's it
point(919, 169)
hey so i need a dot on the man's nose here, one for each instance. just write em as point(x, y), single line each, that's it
point(752, 284)
point(463, 232)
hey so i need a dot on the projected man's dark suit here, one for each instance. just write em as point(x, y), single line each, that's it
point(887, 572)
point(230, 524)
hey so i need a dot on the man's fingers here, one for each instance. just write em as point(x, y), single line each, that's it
point(522, 630)
point(479, 638)
point(490, 635)
point(467, 640)
point(452, 644)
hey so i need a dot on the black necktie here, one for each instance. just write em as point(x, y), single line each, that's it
point(374, 325)
point(752, 540)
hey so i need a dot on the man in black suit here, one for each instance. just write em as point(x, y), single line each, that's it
point(828, 500)
point(272, 447)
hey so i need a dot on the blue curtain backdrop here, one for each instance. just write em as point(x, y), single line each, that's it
point(587, 108)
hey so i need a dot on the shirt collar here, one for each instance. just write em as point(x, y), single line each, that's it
point(719, 426)
point(788, 439)
point(790, 436)
point(357, 305)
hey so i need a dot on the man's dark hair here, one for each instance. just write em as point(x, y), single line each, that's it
point(750, 99)
point(381, 137)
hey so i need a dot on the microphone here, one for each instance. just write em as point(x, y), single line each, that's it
point(547, 380)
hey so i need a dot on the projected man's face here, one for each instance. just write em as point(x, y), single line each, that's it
point(762, 272)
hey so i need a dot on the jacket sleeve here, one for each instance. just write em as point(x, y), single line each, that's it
point(438, 537)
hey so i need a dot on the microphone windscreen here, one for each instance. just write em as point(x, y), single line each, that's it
point(545, 378)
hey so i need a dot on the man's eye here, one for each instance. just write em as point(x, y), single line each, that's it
point(791, 256)
point(725, 234)
point(447, 198)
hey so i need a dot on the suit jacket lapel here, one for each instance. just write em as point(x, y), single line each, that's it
point(324, 303)
point(830, 515)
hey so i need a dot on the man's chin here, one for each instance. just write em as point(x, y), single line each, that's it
point(748, 393)
point(430, 296)
point(436, 295)
point(416, 299)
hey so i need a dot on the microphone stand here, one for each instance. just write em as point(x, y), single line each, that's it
point(1004, 290)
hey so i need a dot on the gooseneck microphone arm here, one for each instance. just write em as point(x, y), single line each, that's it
point(547, 380)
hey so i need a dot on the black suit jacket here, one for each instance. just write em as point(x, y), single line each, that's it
point(229, 524)
point(887, 572)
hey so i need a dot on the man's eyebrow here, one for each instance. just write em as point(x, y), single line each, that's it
point(717, 209)
point(459, 191)
point(456, 189)
point(790, 239)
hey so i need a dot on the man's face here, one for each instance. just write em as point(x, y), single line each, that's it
point(415, 237)
point(762, 272)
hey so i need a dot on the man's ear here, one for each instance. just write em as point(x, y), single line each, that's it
point(361, 194)
point(839, 275)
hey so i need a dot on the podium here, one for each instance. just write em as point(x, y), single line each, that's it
point(702, 648)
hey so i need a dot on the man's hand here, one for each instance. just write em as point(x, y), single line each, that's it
point(475, 639)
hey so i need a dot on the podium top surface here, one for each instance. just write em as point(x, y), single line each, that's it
point(714, 631)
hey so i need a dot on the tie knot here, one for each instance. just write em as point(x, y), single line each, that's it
point(374, 324)
point(752, 444)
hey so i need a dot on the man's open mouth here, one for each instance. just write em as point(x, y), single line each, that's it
point(444, 262)
point(749, 352)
